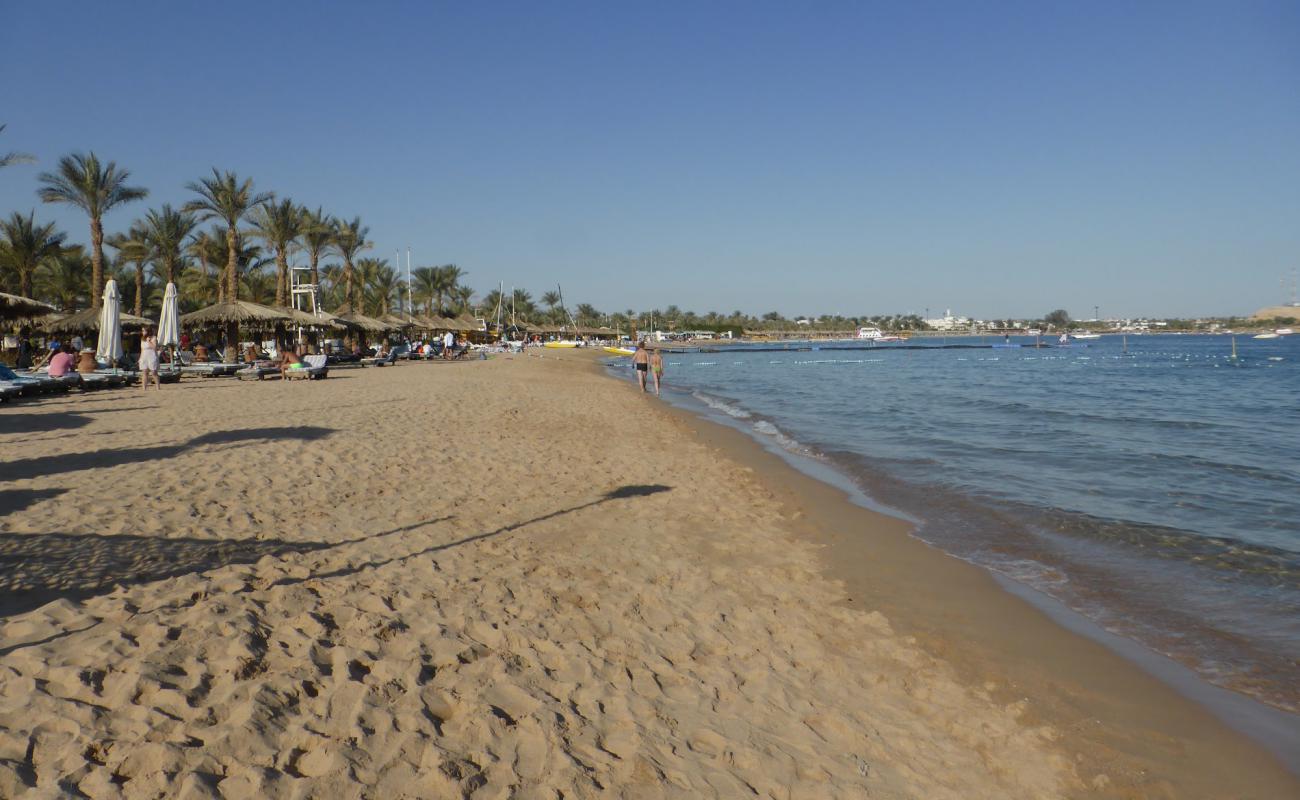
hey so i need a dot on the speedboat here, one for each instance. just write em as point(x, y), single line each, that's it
point(1269, 335)
point(1085, 335)
point(1284, 331)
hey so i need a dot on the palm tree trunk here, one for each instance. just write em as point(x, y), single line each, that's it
point(232, 264)
point(96, 262)
point(232, 284)
point(347, 282)
point(281, 278)
point(139, 288)
point(25, 283)
point(315, 271)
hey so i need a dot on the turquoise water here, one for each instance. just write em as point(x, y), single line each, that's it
point(1152, 484)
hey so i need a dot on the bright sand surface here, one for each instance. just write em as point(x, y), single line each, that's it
point(519, 578)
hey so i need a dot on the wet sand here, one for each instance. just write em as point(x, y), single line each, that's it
point(519, 578)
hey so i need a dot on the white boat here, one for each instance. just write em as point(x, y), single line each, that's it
point(1284, 331)
point(1269, 335)
point(875, 334)
point(1085, 335)
point(1033, 332)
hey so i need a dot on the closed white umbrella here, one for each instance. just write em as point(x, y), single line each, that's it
point(109, 347)
point(169, 322)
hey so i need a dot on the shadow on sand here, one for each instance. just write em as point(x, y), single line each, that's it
point(99, 459)
point(38, 568)
point(621, 493)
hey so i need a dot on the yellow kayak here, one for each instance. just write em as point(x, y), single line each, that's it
point(560, 344)
point(619, 351)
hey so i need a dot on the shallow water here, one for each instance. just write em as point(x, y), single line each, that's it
point(1153, 484)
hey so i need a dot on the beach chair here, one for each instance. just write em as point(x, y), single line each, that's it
point(315, 370)
point(258, 371)
point(386, 361)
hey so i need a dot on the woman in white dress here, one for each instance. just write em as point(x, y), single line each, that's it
point(148, 360)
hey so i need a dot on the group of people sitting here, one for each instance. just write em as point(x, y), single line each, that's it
point(448, 347)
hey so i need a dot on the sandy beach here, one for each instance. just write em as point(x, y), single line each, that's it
point(519, 578)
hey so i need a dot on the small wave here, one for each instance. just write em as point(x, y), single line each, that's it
point(718, 404)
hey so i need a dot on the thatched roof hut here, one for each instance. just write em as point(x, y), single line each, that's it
point(239, 311)
point(13, 306)
point(399, 321)
point(307, 319)
point(362, 322)
point(88, 320)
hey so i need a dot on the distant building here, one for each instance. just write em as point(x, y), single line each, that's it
point(948, 322)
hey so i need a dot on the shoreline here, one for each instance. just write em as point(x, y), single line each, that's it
point(516, 576)
point(1114, 703)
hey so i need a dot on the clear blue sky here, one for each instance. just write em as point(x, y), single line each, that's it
point(856, 158)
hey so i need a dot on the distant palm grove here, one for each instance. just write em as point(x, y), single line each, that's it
point(233, 242)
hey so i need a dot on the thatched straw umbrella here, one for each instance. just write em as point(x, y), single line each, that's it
point(400, 321)
point(13, 306)
point(239, 311)
point(363, 323)
point(88, 320)
point(306, 319)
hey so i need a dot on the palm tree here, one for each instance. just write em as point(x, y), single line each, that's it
point(587, 314)
point(258, 282)
point(26, 246)
point(461, 297)
point(492, 299)
point(95, 188)
point(350, 239)
point(279, 224)
point(166, 230)
point(11, 158)
point(224, 197)
point(317, 236)
point(424, 285)
point(552, 301)
point(133, 247)
point(209, 247)
point(451, 276)
point(378, 284)
point(65, 278)
point(521, 302)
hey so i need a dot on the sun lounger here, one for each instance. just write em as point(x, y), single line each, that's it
point(315, 370)
point(213, 369)
point(259, 371)
point(31, 383)
point(386, 361)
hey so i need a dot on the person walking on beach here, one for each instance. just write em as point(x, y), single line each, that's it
point(657, 368)
point(448, 344)
point(148, 360)
point(641, 361)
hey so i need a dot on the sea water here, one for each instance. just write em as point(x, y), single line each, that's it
point(1151, 483)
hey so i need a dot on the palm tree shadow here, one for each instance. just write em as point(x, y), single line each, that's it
point(36, 568)
point(14, 500)
point(621, 493)
point(116, 456)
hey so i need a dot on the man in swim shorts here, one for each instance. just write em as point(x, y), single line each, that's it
point(641, 361)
